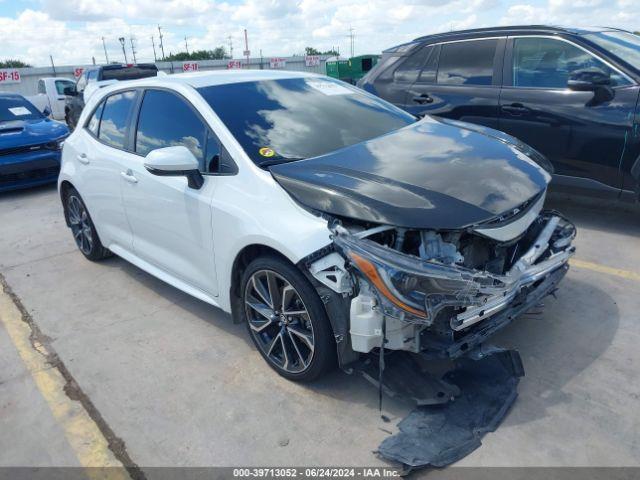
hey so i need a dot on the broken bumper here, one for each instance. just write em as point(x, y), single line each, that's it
point(429, 293)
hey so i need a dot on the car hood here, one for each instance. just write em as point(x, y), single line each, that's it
point(433, 174)
point(19, 133)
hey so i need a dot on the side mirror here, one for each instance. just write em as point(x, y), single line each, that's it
point(175, 162)
point(588, 80)
point(47, 111)
point(70, 91)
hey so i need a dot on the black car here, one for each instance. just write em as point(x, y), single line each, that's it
point(75, 96)
point(569, 93)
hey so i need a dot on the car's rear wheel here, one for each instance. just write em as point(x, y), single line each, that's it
point(82, 227)
point(287, 320)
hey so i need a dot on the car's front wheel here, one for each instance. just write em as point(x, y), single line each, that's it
point(82, 227)
point(287, 320)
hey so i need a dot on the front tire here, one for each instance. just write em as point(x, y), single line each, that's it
point(82, 227)
point(286, 319)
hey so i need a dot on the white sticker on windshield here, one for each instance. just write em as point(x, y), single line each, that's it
point(329, 88)
point(19, 111)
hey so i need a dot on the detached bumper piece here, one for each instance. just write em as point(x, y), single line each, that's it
point(440, 434)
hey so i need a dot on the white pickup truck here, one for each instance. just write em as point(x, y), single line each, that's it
point(51, 95)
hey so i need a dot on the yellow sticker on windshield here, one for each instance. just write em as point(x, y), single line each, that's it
point(267, 152)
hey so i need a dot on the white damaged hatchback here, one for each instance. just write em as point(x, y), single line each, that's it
point(329, 221)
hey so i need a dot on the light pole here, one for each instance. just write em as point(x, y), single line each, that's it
point(123, 49)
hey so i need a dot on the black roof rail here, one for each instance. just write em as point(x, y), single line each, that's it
point(502, 29)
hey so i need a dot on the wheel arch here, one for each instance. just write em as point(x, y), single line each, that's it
point(243, 258)
point(64, 188)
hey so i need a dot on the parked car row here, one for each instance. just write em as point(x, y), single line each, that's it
point(571, 94)
point(333, 222)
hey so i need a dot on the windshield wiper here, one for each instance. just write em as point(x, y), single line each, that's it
point(269, 163)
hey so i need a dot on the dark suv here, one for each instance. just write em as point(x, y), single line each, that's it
point(571, 94)
point(75, 95)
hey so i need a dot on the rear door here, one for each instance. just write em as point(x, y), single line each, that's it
point(460, 80)
point(100, 156)
point(583, 136)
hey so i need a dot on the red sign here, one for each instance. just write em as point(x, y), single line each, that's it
point(77, 72)
point(9, 76)
point(190, 67)
point(312, 60)
point(277, 62)
point(234, 64)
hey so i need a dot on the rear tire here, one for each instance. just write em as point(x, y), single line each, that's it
point(286, 319)
point(82, 227)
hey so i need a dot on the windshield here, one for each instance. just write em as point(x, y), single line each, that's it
point(295, 118)
point(17, 108)
point(624, 45)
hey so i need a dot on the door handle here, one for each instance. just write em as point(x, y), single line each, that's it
point(422, 99)
point(129, 177)
point(515, 109)
point(82, 158)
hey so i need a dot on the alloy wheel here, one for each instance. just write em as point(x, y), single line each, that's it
point(80, 226)
point(279, 321)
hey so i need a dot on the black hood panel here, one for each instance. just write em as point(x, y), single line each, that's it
point(431, 174)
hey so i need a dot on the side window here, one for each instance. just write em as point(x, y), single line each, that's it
point(166, 120)
point(409, 70)
point(94, 122)
point(92, 75)
point(467, 63)
point(115, 113)
point(548, 63)
point(61, 85)
point(41, 88)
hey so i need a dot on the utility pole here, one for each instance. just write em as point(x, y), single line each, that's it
point(106, 57)
point(246, 47)
point(351, 39)
point(161, 42)
point(230, 46)
point(52, 65)
point(186, 45)
point(133, 49)
point(124, 52)
point(153, 43)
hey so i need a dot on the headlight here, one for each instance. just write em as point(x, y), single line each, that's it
point(411, 288)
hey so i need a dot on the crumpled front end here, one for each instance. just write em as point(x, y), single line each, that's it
point(441, 293)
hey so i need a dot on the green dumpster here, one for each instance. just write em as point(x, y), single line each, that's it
point(351, 70)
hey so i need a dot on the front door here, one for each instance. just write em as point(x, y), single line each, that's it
point(460, 80)
point(171, 222)
point(581, 134)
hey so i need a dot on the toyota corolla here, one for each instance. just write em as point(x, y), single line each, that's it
point(329, 221)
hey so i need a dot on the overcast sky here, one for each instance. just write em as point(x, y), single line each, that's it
point(71, 30)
